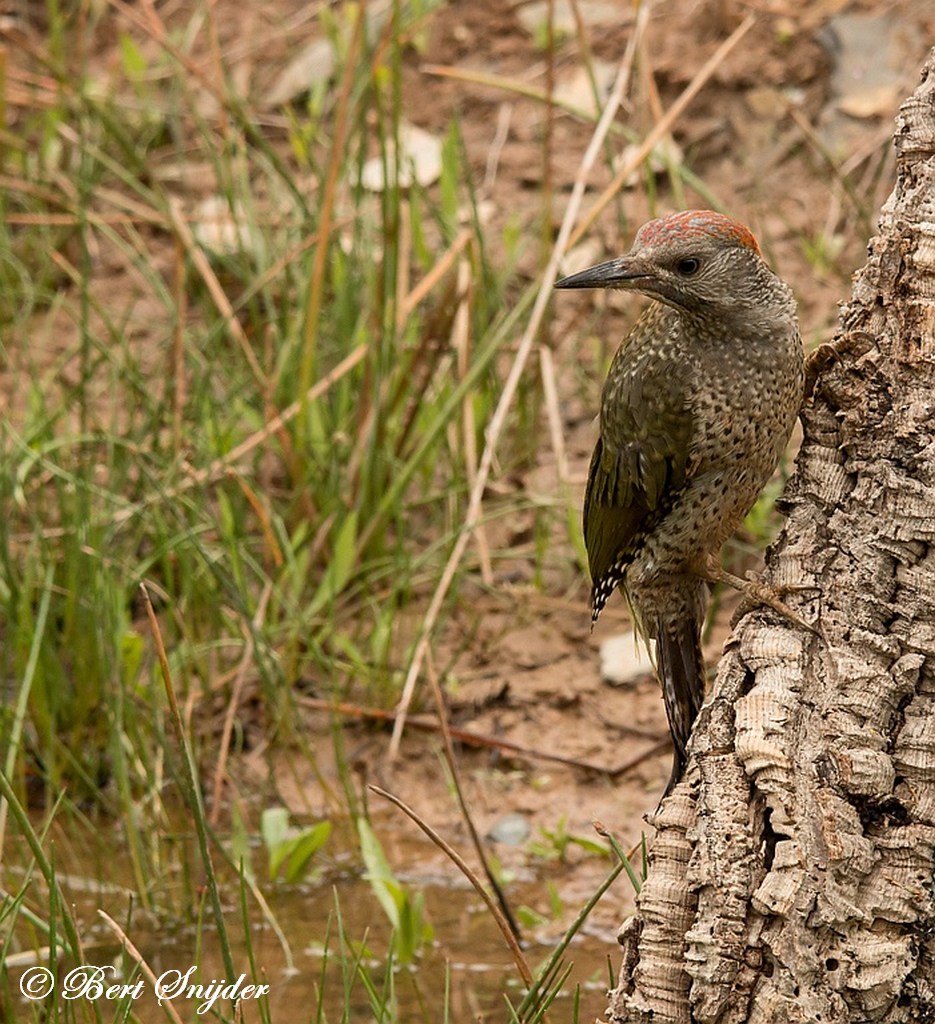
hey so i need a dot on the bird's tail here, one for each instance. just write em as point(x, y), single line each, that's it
point(680, 665)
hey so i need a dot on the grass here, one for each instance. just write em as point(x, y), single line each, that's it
point(118, 449)
point(250, 409)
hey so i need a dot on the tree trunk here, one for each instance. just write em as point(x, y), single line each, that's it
point(792, 870)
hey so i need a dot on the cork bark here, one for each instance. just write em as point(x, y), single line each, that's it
point(792, 869)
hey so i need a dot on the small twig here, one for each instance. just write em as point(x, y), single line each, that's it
point(486, 742)
point(461, 344)
point(327, 205)
point(449, 749)
point(511, 85)
point(403, 259)
point(234, 703)
point(635, 762)
point(200, 261)
point(818, 144)
point(549, 971)
point(442, 265)
point(464, 867)
point(261, 510)
point(164, 665)
point(138, 958)
point(179, 379)
point(504, 116)
point(554, 417)
point(191, 789)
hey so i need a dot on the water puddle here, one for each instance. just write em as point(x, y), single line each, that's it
point(329, 924)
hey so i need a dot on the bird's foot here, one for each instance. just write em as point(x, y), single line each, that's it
point(781, 589)
point(759, 593)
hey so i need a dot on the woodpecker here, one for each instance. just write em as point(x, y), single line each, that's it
point(697, 407)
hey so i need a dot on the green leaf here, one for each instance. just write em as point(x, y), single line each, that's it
point(413, 931)
point(289, 846)
point(134, 63)
point(240, 842)
point(530, 918)
point(379, 873)
point(450, 176)
point(274, 827)
point(132, 649)
point(590, 845)
point(341, 566)
point(303, 847)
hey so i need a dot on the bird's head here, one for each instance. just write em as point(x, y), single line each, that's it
point(697, 261)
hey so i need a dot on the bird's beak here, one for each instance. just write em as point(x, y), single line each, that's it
point(611, 274)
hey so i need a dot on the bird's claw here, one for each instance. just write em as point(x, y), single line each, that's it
point(757, 592)
point(781, 589)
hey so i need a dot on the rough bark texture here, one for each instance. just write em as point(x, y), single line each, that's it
point(792, 870)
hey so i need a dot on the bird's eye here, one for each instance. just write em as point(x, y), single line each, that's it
point(687, 266)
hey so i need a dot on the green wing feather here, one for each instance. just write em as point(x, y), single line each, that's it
point(641, 461)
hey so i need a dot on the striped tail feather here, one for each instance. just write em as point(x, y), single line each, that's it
point(680, 664)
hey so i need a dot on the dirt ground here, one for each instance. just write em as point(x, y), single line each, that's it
point(792, 135)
